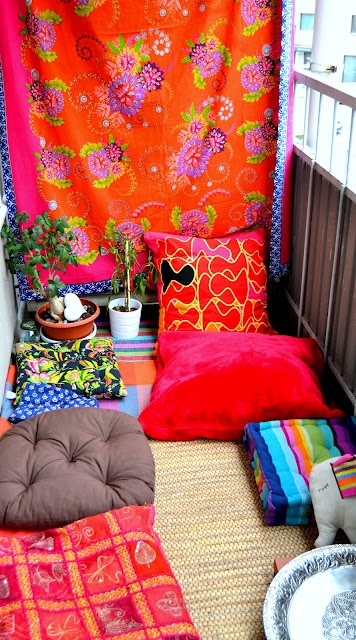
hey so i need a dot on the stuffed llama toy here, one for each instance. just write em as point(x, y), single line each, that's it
point(332, 486)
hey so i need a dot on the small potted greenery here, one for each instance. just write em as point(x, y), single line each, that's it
point(41, 250)
point(125, 310)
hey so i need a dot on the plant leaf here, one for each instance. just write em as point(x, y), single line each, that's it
point(198, 80)
point(247, 126)
point(50, 16)
point(246, 60)
point(253, 97)
point(46, 56)
point(257, 159)
point(255, 196)
point(89, 147)
point(102, 183)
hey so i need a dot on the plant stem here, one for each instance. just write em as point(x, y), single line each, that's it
point(127, 276)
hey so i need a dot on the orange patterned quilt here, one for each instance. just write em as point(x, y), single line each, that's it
point(101, 577)
point(160, 115)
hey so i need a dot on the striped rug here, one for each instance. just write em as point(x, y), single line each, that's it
point(140, 348)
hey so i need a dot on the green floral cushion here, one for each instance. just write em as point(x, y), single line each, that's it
point(88, 367)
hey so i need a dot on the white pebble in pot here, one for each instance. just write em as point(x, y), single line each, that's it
point(69, 298)
point(74, 310)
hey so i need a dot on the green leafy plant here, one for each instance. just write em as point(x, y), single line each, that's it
point(125, 255)
point(40, 250)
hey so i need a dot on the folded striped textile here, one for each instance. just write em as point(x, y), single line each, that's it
point(137, 349)
point(282, 454)
point(344, 469)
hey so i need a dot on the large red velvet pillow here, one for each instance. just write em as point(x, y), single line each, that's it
point(212, 384)
point(211, 284)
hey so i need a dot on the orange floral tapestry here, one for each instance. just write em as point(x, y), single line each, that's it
point(160, 115)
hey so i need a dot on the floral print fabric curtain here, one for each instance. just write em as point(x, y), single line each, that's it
point(168, 115)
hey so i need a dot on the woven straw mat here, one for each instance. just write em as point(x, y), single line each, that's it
point(210, 520)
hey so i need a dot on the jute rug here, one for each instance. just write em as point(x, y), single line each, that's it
point(210, 520)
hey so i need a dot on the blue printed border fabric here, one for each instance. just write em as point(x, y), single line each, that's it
point(40, 398)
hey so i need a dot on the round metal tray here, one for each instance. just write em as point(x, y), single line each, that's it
point(313, 597)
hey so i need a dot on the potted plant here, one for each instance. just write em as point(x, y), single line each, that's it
point(125, 310)
point(41, 250)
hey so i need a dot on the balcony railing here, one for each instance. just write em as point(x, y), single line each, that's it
point(321, 289)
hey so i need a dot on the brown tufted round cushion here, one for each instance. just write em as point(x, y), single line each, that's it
point(64, 465)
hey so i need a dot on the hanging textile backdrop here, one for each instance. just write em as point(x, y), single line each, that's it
point(168, 115)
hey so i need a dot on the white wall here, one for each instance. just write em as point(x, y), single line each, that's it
point(8, 314)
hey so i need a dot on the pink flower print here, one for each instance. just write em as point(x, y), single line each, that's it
point(47, 157)
point(251, 77)
point(263, 15)
point(257, 213)
point(193, 158)
point(269, 131)
point(268, 82)
point(270, 147)
point(127, 61)
point(32, 24)
point(216, 140)
point(35, 365)
point(198, 53)
point(212, 44)
point(54, 101)
point(60, 166)
point(40, 377)
point(262, 3)
point(266, 66)
point(249, 11)
point(197, 127)
point(114, 152)
point(73, 377)
point(40, 107)
point(195, 223)
point(46, 35)
point(151, 76)
point(80, 244)
point(134, 233)
point(254, 141)
point(116, 169)
point(126, 95)
point(211, 64)
point(99, 163)
point(37, 90)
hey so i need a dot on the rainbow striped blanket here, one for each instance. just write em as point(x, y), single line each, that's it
point(282, 454)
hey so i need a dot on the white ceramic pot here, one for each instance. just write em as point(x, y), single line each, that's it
point(124, 324)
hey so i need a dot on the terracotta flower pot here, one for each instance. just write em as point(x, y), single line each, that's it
point(68, 330)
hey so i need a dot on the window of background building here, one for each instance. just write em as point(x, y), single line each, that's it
point(307, 57)
point(349, 74)
point(306, 21)
point(353, 24)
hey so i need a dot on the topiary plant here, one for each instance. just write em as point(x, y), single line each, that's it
point(125, 255)
point(40, 250)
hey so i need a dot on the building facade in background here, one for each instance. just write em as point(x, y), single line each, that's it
point(343, 47)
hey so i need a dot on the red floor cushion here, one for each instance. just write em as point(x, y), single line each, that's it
point(104, 576)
